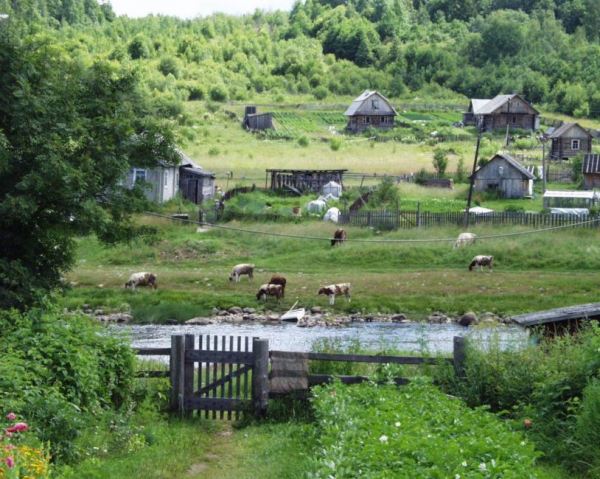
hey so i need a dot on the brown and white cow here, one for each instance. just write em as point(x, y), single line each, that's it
point(334, 290)
point(338, 237)
point(141, 279)
point(481, 261)
point(267, 290)
point(240, 269)
point(278, 279)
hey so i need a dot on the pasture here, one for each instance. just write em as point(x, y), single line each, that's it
point(531, 272)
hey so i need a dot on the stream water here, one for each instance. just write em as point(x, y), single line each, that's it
point(437, 338)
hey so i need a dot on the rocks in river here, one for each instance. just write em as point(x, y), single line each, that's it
point(115, 318)
point(438, 318)
point(171, 321)
point(98, 312)
point(316, 310)
point(201, 321)
point(397, 318)
point(249, 310)
point(235, 310)
point(468, 319)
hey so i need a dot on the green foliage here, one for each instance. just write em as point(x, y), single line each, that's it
point(440, 161)
point(415, 429)
point(303, 141)
point(386, 194)
point(59, 372)
point(169, 66)
point(335, 143)
point(461, 173)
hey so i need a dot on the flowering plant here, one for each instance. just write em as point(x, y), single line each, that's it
point(19, 458)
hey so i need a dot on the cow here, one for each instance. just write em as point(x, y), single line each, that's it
point(270, 290)
point(481, 261)
point(241, 269)
point(280, 280)
point(141, 279)
point(464, 239)
point(338, 237)
point(334, 290)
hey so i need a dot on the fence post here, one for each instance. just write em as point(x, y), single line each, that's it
point(418, 215)
point(188, 372)
point(176, 366)
point(260, 376)
point(460, 344)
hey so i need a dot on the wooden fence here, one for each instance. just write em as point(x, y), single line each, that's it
point(394, 219)
point(224, 376)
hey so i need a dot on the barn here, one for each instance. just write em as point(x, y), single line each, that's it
point(569, 140)
point(591, 171)
point(505, 175)
point(371, 109)
point(502, 111)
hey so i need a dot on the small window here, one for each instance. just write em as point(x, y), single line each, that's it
point(139, 175)
point(514, 119)
point(383, 119)
point(575, 144)
point(366, 119)
point(166, 178)
point(375, 104)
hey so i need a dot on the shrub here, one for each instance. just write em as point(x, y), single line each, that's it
point(335, 143)
point(321, 92)
point(303, 141)
point(218, 93)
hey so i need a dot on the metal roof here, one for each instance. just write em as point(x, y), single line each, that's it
point(589, 195)
point(358, 101)
point(198, 171)
point(496, 102)
point(591, 164)
point(270, 170)
point(562, 129)
point(186, 160)
point(511, 161)
point(478, 105)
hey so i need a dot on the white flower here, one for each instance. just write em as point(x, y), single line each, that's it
point(398, 424)
point(482, 467)
point(457, 476)
point(383, 439)
point(522, 443)
point(464, 464)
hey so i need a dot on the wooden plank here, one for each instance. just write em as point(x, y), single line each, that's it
point(215, 372)
point(188, 371)
point(207, 370)
point(460, 357)
point(583, 311)
point(365, 358)
point(176, 372)
point(288, 373)
point(223, 344)
point(215, 404)
point(246, 345)
point(260, 376)
point(153, 374)
point(152, 351)
point(200, 364)
point(230, 372)
point(238, 381)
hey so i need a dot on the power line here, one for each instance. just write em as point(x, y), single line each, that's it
point(358, 240)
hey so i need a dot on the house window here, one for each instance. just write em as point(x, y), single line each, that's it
point(366, 119)
point(139, 175)
point(375, 104)
point(166, 178)
point(575, 145)
point(514, 119)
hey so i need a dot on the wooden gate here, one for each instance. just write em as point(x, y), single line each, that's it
point(224, 374)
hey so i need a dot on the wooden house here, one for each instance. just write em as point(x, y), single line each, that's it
point(591, 171)
point(502, 111)
point(568, 140)
point(370, 109)
point(303, 180)
point(506, 175)
point(166, 180)
point(257, 121)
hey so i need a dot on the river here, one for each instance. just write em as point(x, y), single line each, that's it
point(436, 338)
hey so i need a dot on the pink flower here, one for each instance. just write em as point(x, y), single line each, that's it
point(332, 393)
point(527, 423)
point(11, 416)
point(10, 462)
point(20, 426)
point(8, 434)
point(9, 447)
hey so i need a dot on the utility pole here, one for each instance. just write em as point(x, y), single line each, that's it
point(467, 214)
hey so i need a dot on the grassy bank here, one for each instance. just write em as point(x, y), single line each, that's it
point(532, 271)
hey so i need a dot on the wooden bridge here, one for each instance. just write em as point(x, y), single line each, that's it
point(224, 376)
point(559, 320)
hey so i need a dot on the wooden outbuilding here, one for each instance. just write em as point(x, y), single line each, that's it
point(371, 109)
point(568, 140)
point(257, 121)
point(506, 175)
point(303, 180)
point(591, 171)
point(559, 321)
point(502, 111)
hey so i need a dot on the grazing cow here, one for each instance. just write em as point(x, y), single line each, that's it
point(464, 239)
point(141, 279)
point(280, 280)
point(481, 261)
point(270, 290)
point(241, 269)
point(334, 290)
point(338, 237)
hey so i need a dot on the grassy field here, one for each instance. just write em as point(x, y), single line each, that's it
point(532, 271)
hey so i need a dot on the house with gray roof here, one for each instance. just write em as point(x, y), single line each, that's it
point(569, 140)
point(591, 171)
point(370, 109)
point(505, 175)
point(502, 111)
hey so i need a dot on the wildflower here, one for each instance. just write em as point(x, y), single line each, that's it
point(522, 443)
point(383, 439)
point(332, 393)
point(9, 447)
point(10, 462)
point(527, 423)
point(464, 464)
point(398, 424)
point(457, 476)
point(20, 426)
point(8, 434)
point(482, 467)
point(11, 416)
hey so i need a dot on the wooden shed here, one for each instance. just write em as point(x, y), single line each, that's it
point(196, 185)
point(568, 140)
point(502, 111)
point(303, 180)
point(559, 321)
point(591, 171)
point(257, 121)
point(506, 175)
point(370, 109)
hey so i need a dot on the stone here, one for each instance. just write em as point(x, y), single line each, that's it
point(467, 319)
point(488, 316)
point(437, 318)
point(171, 321)
point(316, 310)
point(115, 318)
point(200, 321)
point(316, 317)
point(235, 310)
point(396, 318)
point(369, 318)
point(272, 317)
point(222, 313)
point(98, 312)
point(215, 311)
point(249, 310)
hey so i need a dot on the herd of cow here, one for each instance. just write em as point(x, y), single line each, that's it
point(276, 286)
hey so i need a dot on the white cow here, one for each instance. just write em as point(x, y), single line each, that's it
point(464, 239)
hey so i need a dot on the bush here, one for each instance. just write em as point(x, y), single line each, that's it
point(335, 143)
point(218, 93)
point(303, 141)
point(320, 93)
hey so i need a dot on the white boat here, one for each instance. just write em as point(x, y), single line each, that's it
point(293, 315)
